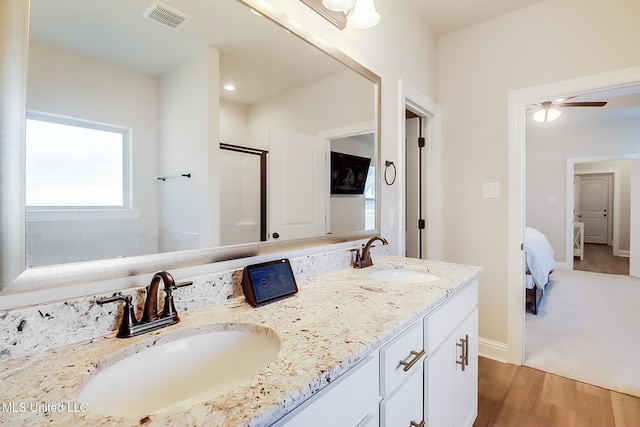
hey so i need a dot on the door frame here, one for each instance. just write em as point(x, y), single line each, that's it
point(571, 162)
point(418, 206)
point(414, 100)
point(517, 100)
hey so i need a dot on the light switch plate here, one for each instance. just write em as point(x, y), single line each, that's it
point(491, 190)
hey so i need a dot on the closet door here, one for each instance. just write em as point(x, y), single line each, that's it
point(594, 204)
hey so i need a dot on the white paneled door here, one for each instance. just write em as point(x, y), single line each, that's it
point(594, 207)
point(298, 186)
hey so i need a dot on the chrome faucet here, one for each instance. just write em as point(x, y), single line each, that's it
point(130, 326)
point(363, 259)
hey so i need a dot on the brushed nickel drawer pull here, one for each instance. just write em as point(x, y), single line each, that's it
point(414, 424)
point(417, 356)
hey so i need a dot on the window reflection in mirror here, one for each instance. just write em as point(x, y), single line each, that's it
point(115, 66)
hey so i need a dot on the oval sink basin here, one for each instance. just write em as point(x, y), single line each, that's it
point(403, 276)
point(182, 372)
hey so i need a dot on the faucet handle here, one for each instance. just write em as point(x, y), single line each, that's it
point(357, 259)
point(169, 309)
point(181, 284)
point(118, 296)
point(128, 315)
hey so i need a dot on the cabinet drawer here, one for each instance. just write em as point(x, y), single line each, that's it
point(351, 400)
point(400, 358)
point(439, 324)
point(405, 405)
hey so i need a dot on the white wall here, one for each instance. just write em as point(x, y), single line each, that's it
point(548, 42)
point(547, 149)
point(189, 143)
point(67, 84)
point(344, 99)
point(234, 125)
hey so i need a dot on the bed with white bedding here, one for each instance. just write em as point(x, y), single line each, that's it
point(539, 264)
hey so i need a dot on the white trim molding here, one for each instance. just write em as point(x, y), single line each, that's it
point(413, 99)
point(493, 350)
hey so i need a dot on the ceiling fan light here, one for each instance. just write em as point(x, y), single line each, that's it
point(552, 114)
point(338, 5)
point(547, 114)
point(363, 15)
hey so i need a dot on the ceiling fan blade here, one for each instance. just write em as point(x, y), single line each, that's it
point(583, 104)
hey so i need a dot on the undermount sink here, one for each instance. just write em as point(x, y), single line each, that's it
point(180, 372)
point(397, 275)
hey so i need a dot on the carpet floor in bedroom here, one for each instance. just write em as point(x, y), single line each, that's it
point(587, 329)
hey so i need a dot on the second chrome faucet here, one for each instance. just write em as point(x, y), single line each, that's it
point(151, 320)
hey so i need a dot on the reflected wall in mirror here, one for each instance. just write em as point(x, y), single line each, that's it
point(115, 70)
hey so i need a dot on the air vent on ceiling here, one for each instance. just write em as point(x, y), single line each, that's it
point(166, 15)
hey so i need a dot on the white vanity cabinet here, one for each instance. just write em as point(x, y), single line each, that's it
point(427, 375)
point(451, 366)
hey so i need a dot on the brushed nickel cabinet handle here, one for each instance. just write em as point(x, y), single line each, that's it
point(414, 424)
point(462, 360)
point(408, 365)
point(466, 350)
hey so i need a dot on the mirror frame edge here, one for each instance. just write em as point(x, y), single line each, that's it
point(13, 81)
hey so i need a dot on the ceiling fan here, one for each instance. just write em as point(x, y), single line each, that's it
point(549, 110)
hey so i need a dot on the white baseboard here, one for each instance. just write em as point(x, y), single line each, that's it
point(493, 350)
point(623, 253)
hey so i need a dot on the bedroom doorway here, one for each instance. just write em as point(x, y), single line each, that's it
point(518, 100)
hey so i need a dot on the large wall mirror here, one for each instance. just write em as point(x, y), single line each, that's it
point(175, 133)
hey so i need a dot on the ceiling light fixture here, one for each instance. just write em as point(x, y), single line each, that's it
point(360, 14)
point(363, 15)
point(546, 114)
point(338, 5)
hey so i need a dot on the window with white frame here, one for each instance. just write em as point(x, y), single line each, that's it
point(76, 164)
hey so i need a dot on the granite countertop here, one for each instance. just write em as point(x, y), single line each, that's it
point(334, 322)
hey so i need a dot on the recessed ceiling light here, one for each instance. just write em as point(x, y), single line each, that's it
point(229, 88)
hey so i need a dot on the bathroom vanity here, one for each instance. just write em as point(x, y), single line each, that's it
point(426, 375)
point(354, 350)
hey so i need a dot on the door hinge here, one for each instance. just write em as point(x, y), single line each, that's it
point(422, 224)
point(422, 142)
point(522, 246)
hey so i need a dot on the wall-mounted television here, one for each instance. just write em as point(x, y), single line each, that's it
point(348, 173)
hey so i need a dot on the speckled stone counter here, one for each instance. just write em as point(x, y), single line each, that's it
point(334, 322)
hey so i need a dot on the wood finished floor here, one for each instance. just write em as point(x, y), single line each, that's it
point(520, 396)
point(600, 259)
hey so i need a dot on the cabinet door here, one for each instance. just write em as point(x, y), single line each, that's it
point(451, 394)
point(438, 379)
point(404, 406)
point(465, 383)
